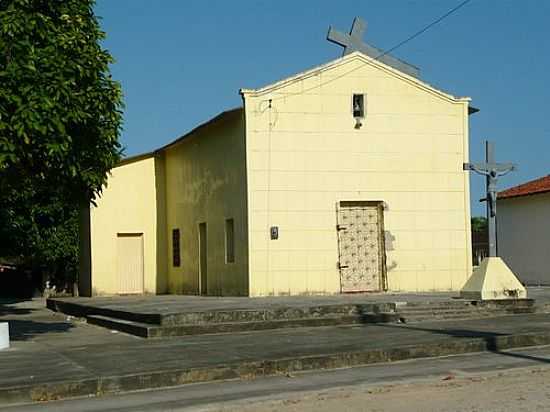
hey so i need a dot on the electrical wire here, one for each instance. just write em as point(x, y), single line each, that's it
point(408, 39)
point(418, 33)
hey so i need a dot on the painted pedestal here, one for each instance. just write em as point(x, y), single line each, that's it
point(493, 280)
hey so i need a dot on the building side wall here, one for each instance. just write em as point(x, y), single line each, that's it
point(524, 238)
point(305, 155)
point(127, 205)
point(206, 182)
point(162, 235)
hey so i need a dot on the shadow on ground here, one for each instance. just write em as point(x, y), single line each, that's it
point(27, 322)
point(8, 306)
point(489, 337)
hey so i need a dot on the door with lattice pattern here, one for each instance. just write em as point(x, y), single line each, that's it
point(361, 246)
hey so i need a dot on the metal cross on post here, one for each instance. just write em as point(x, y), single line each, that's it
point(492, 171)
point(354, 42)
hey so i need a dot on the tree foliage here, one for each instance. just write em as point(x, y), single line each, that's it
point(479, 223)
point(60, 119)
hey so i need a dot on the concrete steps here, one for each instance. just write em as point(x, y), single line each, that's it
point(219, 321)
point(156, 325)
point(460, 309)
point(147, 330)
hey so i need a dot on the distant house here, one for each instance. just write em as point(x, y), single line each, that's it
point(523, 229)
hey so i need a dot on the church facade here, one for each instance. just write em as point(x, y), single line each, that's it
point(344, 178)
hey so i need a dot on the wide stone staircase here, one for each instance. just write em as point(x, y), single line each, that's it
point(155, 325)
point(410, 312)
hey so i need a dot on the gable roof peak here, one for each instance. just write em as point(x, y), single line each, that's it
point(353, 56)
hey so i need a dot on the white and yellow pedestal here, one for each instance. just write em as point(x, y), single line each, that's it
point(493, 280)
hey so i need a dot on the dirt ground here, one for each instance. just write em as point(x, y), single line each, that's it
point(518, 390)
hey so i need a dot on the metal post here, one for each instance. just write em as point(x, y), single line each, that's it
point(490, 204)
point(492, 171)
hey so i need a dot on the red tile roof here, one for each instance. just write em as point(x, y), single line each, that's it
point(540, 185)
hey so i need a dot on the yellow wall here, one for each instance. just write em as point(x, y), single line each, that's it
point(304, 155)
point(162, 234)
point(127, 205)
point(206, 182)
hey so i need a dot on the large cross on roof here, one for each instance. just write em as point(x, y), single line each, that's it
point(354, 42)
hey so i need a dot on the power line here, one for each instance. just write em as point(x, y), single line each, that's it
point(429, 26)
point(408, 39)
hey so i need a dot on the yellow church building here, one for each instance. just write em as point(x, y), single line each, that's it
point(344, 178)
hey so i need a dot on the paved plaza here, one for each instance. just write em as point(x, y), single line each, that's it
point(54, 356)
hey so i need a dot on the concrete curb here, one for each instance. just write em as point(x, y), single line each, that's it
point(252, 369)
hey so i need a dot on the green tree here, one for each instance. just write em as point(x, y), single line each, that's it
point(479, 223)
point(60, 119)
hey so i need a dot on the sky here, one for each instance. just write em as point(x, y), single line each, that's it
point(182, 62)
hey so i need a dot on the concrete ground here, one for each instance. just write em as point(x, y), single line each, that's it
point(166, 304)
point(514, 380)
point(49, 348)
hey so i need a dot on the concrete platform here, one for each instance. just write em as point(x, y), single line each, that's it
point(165, 316)
point(89, 361)
point(53, 356)
point(159, 304)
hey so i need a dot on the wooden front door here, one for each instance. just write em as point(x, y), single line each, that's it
point(361, 246)
point(130, 263)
